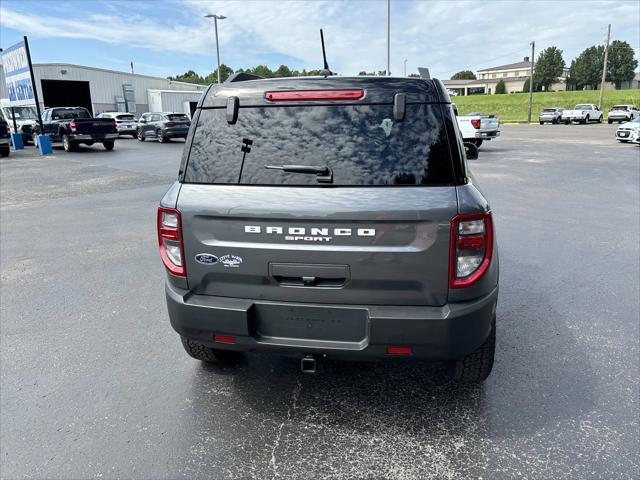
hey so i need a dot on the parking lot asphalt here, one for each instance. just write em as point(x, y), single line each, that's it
point(94, 382)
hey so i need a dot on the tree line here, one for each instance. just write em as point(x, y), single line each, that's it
point(585, 70)
point(226, 71)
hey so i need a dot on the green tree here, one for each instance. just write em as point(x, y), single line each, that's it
point(501, 87)
point(621, 63)
point(586, 68)
point(189, 76)
point(464, 75)
point(414, 75)
point(548, 68)
point(283, 71)
point(225, 72)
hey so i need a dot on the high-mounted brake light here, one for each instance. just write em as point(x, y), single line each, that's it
point(170, 240)
point(470, 249)
point(475, 122)
point(313, 95)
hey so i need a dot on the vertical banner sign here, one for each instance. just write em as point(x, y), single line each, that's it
point(15, 62)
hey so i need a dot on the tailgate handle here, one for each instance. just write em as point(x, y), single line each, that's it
point(309, 275)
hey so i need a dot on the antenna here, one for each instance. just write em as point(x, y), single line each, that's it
point(325, 71)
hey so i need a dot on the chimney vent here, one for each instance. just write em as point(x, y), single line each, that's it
point(526, 59)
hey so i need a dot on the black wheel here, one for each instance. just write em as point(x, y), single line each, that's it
point(585, 121)
point(555, 121)
point(600, 119)
point(140, 135)
point(476, 367)
point(477, 142)
point(4, 151)
point(623, 141)
point(567, 122)
point(108, 144)
point(609, 121)
point(208, 354)
point(161, 137)
point(68, 144)
point(541, 123)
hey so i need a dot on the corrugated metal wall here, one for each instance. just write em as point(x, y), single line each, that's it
point(104, 85)
point(174, 101)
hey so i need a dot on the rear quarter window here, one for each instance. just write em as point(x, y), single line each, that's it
point(362, 145)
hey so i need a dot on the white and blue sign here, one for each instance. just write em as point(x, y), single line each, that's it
point(16, 75)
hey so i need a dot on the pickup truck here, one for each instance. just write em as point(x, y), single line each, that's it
point(75, 125)
point(477, 127)
point(583, 113)
point(25, 115)
point(4, 139)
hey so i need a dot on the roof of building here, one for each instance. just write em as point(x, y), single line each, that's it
point(509, 66)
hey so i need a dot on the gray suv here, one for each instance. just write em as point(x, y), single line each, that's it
point(330, 217)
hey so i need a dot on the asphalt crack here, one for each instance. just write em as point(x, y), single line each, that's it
point(273, 465)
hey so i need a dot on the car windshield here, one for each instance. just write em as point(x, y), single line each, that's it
point(583, 107)
point(22, 113)
point(178, 117)
point(70, 114)
point(360, 144)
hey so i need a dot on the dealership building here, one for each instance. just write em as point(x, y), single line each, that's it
point(100, 90)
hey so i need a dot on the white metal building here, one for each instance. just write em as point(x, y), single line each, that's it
point(100, 90)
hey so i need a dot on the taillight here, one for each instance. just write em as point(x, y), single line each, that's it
point(73, 126)
point(313, 95)
point(169, 124)
point(475, 122)
point(170, 240)
point(470, 249)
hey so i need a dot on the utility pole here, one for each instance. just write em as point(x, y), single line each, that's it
point(533, 52)
point(388, 37)
point(405, 67)
point(604, 67)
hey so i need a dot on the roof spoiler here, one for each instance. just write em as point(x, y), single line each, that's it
point(242, 77)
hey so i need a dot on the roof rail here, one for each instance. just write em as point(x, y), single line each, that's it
point(242, 77)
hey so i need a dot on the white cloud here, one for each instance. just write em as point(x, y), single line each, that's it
point(445, 36)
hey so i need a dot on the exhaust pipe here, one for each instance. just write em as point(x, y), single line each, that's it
point(308, 364)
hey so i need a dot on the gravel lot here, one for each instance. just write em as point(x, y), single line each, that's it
point(94, 382)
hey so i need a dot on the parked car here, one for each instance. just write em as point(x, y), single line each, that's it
point(26, 117)
point(72, 126)
point(582, 113)
point(477, 127)
point(330, 217)
point(126, 123)
point(622, 113)
point(5, 136)
point(550, 115)
point(628, 132)
point(163, 126)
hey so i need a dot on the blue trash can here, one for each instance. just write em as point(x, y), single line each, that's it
point(16, 141)
point(44, 145)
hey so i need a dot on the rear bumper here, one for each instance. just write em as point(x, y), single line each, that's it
point(96, 137)
point(447, 332)
point(5, 141)
point(488, 135)
point(176, 132)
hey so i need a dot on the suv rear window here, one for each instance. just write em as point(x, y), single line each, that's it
point(125, 117)
point(177, 116)
point(360, 143)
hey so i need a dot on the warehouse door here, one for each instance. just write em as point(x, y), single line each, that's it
point(66, 93)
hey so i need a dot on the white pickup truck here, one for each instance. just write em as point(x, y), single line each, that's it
point(583, 113)
point(477, 127)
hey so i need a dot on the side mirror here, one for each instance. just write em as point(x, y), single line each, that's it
point(471, 151)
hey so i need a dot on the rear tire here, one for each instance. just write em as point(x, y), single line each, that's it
point(140, 135)
point(210, 355)
point(68, 144)
point(609, 121)
point(567, 122)
point(541, 123)
point(4, 151)
point(600, 119)
point(476, 367)
point(161, 137)
point(477, 142)
point(108, 145)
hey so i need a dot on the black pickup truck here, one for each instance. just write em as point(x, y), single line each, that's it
point(75, 125)
point(4, 139)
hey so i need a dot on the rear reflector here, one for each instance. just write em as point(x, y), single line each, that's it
point(313, 95)
point(224, 339)
point(399, 350)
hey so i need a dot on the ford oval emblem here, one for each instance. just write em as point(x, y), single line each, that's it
point(206, 259)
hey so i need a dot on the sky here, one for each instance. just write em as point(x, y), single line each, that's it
point(169, 37)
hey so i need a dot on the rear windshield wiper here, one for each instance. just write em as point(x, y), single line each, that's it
point(324, 174)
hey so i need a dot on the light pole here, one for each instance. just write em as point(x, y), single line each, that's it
point(388, 37)
point(215, 22)
point(405, 67)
